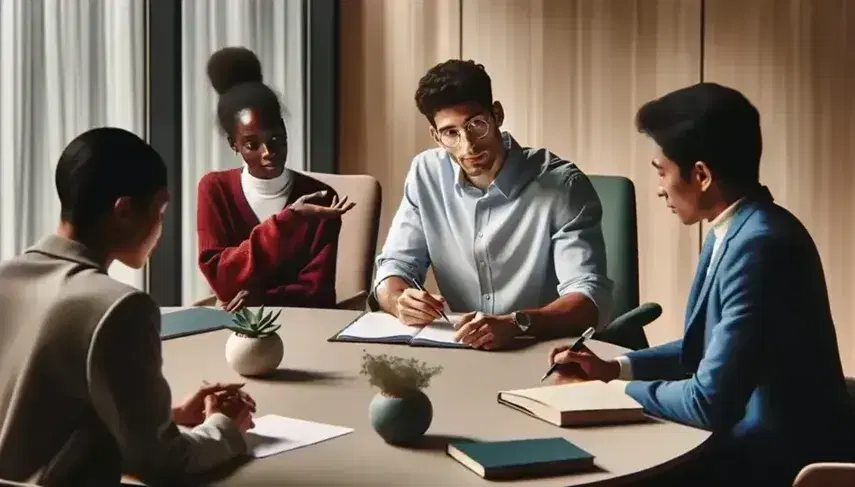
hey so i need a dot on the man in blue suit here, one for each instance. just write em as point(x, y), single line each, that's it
point(758, 364)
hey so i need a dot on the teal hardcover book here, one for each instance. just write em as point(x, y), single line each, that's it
point(192, 321)
point(515, 459)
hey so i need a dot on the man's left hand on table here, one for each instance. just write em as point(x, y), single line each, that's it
point(487, 332)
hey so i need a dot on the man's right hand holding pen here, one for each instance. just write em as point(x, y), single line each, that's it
point(408, 301)
point(417, 307)
point(581, 365)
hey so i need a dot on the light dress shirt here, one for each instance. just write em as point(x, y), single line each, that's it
point(532, 236)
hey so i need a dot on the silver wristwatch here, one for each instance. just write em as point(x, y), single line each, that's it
point(522, 320)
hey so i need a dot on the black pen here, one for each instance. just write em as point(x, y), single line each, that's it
point(573, 348)
point(420, 288)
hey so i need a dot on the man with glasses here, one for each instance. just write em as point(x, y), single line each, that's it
point(513, 233)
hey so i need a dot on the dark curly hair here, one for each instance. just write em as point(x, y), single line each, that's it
point(235, 74)
point(453, 82)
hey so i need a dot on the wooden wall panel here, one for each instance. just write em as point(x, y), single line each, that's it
point(795, 59)
point(571, 74)
point(386, 46)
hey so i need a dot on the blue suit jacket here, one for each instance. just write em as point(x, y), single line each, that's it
point(758, 363)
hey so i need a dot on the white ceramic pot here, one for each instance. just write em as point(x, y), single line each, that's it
point(254, 356)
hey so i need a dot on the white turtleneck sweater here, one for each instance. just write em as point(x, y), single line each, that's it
point(266, 197)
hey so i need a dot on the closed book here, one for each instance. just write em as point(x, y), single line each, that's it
point(191, 321)
point(506, 460)
point(577, 404)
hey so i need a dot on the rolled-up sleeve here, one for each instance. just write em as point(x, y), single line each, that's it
point(580, 250)
point(405, 252)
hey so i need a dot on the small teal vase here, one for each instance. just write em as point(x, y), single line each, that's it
point(401, 420)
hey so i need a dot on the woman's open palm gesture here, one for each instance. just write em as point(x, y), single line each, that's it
point(337, 208)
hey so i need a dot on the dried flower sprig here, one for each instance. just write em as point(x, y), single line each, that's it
point(397, 376)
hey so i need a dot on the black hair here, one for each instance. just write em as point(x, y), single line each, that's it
point(235, 74)
point(100, 166)
point(711, 123)
point(453, 82)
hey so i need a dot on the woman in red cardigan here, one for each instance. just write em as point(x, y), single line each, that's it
point(267, 235)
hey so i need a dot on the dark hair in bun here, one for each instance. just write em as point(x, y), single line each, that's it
point(235, 74)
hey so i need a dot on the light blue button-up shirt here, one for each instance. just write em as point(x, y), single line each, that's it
point(534, 235)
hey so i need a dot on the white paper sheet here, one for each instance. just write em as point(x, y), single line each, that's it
point(378, 325)
point(276, 434)
point(440, 331)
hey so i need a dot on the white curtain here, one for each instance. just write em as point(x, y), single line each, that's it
point(273, 30)
point(65, 66)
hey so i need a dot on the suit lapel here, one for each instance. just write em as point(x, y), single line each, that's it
point(738, 220)
point(707, 279)
point(698, 282)
point(693, 336)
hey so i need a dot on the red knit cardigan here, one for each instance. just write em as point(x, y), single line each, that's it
point(286, 260)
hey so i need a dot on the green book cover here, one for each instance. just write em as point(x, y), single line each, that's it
point(192, 321)
point(517, 458)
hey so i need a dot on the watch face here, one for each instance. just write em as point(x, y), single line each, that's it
point(522, 321)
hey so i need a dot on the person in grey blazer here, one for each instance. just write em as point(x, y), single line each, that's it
point(82, 395)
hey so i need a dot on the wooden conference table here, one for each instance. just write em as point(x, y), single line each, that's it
point(320, 381)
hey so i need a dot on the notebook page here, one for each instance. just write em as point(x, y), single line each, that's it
point(440, 331)
point(377, 325)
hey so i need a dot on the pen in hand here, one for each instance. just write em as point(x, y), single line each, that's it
point(573, 348)
point(421, 288)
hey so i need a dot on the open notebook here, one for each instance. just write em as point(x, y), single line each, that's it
point(581, 403)
point(378, 327)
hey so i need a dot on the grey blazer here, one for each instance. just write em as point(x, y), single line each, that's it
point(82, 395)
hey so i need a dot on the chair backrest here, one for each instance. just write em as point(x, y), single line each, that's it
point(620, 231)
point(359, 229)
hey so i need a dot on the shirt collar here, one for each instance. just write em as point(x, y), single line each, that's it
point(507, 180)
point(721, 223)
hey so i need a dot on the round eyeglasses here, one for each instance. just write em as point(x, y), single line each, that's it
point(450, 137)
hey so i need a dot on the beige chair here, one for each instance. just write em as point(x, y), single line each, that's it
point(826, 475)
point(358, 240)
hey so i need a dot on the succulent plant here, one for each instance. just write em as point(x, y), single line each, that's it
point(397, 376)
point(254, 325)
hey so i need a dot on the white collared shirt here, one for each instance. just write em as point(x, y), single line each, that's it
point(719, 226)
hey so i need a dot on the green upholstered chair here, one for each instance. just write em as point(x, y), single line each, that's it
point(620, 230)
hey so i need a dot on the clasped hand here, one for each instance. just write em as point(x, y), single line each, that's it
point(478, 330)
point(228, 399)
